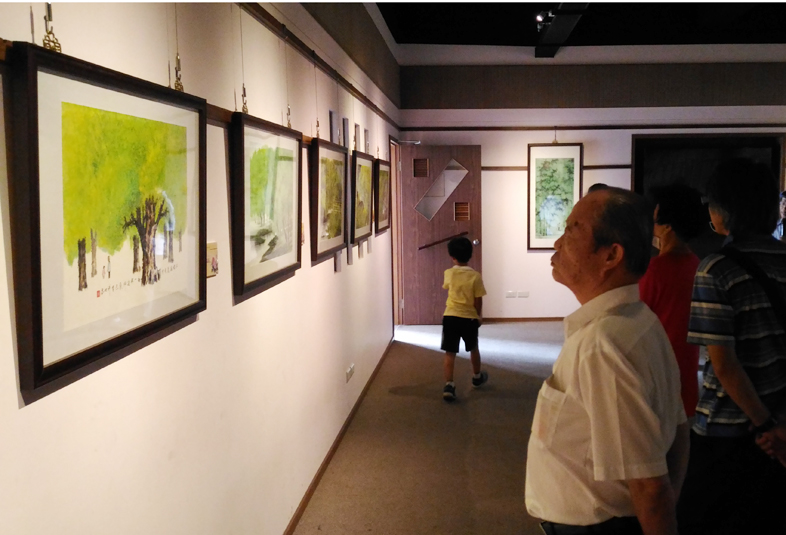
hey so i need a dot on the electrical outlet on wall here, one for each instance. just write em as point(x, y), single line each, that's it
point(510, 294)
point(350, 371)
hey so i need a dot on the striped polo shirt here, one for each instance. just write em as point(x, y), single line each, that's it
point(729, 308)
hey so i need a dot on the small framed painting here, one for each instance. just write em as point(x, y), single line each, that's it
point(362, 186)
point(265, 207)
point(554, 186)
point(107, 210)
point(327, 198)
point(381, 196)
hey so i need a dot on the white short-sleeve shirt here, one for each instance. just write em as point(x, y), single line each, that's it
point(607, 414)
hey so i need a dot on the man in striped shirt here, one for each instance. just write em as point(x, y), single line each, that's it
point(732, 486)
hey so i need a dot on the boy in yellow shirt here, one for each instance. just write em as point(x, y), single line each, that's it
point(463, 314)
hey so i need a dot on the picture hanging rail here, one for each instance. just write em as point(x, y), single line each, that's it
point(327, 198)
point(554, 187)
point(265, 207)
point(107, 192)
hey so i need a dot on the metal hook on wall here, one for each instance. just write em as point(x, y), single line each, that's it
point(50, 41)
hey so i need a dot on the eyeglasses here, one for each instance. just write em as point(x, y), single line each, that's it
point(712, 227)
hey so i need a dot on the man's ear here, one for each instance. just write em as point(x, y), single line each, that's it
point(615, 255)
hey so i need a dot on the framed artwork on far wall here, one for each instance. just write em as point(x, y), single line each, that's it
point(327, 170)
point(265, 206)
point(381, 196)
point(362, 199)
point(554, 186)
point(107, 203)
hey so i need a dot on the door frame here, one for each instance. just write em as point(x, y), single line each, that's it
point(395, 228)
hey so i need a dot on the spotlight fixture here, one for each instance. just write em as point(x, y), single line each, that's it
point(544, 18)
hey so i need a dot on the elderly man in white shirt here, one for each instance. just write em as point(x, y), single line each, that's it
point(609, 443)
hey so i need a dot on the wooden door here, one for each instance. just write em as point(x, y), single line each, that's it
point(424, 255)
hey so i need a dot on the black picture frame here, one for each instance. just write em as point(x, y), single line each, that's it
point(251, 278)
point(362, 189)
point(93, 345)
point(382, 196)
point(324, 246)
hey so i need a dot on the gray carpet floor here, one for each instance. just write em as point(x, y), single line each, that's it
point(412, 464)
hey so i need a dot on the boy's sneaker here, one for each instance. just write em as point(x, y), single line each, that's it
point(449, 392)
point(477, 382)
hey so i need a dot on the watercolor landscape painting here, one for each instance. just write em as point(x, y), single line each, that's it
point(382, 206)
point(328, 201)
point(553, 195)
point(271, 204)
point(331, 198)
point(126, 236)
point(554, 188)
point(363, 196)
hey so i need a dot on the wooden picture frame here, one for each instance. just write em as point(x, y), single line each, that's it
point(362, 188)
point(265, 203)
point(382, 196)
point(103, 164)
point(327, 198)
point(554, 186)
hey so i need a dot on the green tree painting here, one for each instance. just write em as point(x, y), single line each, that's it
point(384, 194)
point(123, 176)
point(553, 195)
point(331, 197)
point(363, 197)
point(271, 195)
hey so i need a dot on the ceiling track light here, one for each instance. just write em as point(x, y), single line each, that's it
point(544, 18)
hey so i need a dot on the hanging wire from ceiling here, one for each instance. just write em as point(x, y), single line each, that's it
point(178, 70)
point(242, 60)
point(316, 97)
point(286, 78)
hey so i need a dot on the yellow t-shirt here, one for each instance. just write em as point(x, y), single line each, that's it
point(463, 285)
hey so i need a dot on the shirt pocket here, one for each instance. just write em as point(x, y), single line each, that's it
point(549, 407)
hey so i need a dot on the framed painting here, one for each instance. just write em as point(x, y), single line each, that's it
point(107, 213)
point(362, 186)
point(265, 207)
point(381, 196)
point(327, 198)
point(554, 186)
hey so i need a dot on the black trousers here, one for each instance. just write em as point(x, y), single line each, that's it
point(731, 488)
point(628, 525)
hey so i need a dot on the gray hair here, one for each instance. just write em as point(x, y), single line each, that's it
point(626, 219)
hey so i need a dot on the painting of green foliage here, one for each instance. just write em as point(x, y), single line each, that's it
point(272, 202)
point(384, 194)
point(363, 197)
point(124, 180)
point(331, 197)
point(553, 195)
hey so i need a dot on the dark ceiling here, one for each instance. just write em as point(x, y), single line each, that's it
point(586, 24)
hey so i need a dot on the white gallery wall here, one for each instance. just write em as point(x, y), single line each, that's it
point(507, 264)
point(220, 427)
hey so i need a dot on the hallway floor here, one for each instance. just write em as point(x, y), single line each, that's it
point(412, 464)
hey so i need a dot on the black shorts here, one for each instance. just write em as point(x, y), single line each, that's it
point(454, 329)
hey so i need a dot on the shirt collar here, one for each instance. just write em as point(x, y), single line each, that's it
point(599, 305)
point(463, 268)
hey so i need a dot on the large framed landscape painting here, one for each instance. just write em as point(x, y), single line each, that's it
point(554, 186)
point(108, 213)
point(382, 196)
point(362, 186)
point(327, 198)
point(265, 203)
